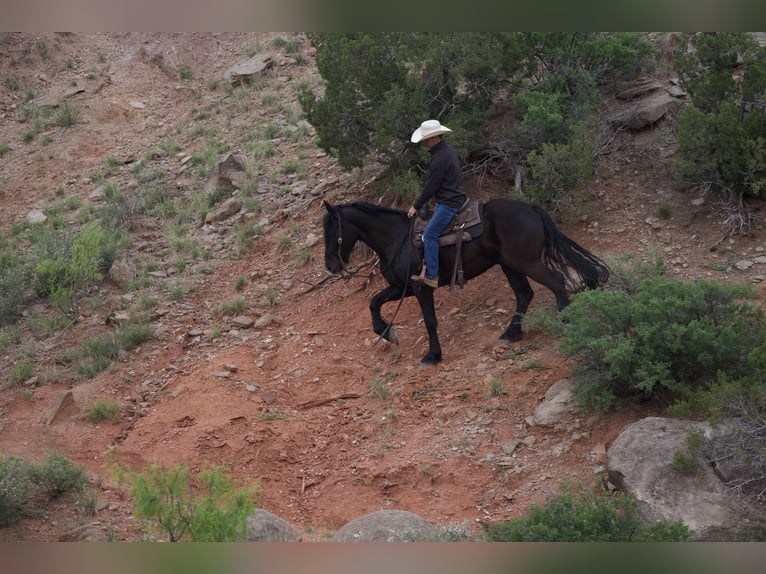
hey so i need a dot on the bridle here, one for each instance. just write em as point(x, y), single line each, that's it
point(349, 272)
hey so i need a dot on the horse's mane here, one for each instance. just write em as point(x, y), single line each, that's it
point(373, 209)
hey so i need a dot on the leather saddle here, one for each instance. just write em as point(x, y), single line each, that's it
point(466, 225)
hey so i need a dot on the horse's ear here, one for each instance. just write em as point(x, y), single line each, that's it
point(330, 209)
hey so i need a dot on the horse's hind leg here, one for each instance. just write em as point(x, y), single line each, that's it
point(524, 294)
point(379, 326)
point(553, 280)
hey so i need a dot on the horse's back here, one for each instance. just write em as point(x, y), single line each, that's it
point(515, 223)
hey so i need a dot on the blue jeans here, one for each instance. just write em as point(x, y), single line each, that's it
point(438, 222)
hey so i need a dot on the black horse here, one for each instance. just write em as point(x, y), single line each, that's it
point(520, 237)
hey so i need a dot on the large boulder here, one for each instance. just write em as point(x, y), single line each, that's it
point(263, 526)
point(647, 111)
point(387, 526)
point(639, 463)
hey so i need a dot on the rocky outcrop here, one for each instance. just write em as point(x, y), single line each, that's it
point(639, 462)
point(387, 526)
point(263, 526)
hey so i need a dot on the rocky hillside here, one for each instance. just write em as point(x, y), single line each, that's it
point(261, 361)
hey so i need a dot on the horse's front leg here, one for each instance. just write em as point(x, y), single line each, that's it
point(379, 326)
point(425, 297)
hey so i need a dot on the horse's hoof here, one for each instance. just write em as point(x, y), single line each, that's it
point(426, 365)
point(392, 336)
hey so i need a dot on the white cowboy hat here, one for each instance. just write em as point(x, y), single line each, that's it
point(428, 129)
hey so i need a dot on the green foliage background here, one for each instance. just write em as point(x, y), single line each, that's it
point(504, 95)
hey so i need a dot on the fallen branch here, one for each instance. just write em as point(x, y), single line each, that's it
point(352, 272)
point(319, 402)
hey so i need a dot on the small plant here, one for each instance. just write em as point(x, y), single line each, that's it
point(378, 386)
point(240, 282)
point(271, 295)
point(304, 255)
point(4, 148)
point(186, 73)
point(147, 301)
point(245, 232)
point(210, 508)
point(133, 334)
point(664, 210)
point(20, 372)
point(57, 475)
point(292, 166)
point(284, 243)
point(231, 307)
point(534, 364)
point(112, 163)
point(495, 387)
point(102, 410)
point(67, 115)
point(42, 47)
point(686, 461)
point(87, 500)
point(17, 490)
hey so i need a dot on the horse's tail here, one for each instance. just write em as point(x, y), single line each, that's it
point(564, 253)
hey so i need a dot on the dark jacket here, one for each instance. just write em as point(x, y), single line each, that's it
point(445, 182)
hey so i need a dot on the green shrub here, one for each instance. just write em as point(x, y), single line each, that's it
point(14, 279)
point(133, 334)
point(16, 490)
point(722, 135)
point(66, 263)
point(231, 307)
point(582, 515)
point(213, 511)
point(627, 270)
point(665, 341)
point(558, 168)
point(67, 115)
point(102, 410)
point(57, 475)
point(98, 353)
point(686, 461)
point(20, 372)
point(737, 409)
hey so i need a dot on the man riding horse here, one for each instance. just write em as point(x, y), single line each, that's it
point(445, 186)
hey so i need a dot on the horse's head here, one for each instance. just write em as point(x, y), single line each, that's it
point(339, 240)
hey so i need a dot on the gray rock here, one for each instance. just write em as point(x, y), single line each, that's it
point(36, 216)
point(557, 406)
point(63, 405)
point(387, 526)
point(121, 272)
point(263, 526)
point(85, 533)
point(647, 111)
point(227, 209)
point(244, 72)
point(638, 462)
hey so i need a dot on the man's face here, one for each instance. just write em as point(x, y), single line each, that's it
point(430, 142)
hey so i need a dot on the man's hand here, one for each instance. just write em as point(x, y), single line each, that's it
point(412, 212)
